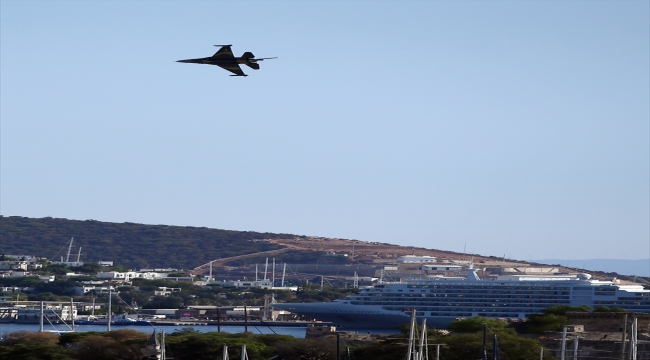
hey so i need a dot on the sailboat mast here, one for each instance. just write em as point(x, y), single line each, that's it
point(109, 315)
point(163, 354)
point(624, 337)
point(40, 323)
point(423, 336)
point(409, 352)
point(633, 340)
point(244, 355)
point(72, 312)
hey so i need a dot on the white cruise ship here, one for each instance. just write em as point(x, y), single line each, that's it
point(441, 300)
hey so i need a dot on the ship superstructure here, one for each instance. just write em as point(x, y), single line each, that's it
point(441, 300)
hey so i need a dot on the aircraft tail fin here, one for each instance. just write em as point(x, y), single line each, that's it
point(255, 66)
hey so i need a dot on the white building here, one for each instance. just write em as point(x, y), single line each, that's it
point(47, 278)
point(14, 265)
point(151, 275)
point(441, 267)
point(101, 289)
point(115, 275)
point(416, 259)
point(130, 275)
point(165, 291)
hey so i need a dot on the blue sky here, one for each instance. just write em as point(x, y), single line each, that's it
point(499, 127)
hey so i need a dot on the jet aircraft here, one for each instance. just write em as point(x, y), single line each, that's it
point(225, 59)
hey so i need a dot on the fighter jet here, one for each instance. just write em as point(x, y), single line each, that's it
point(226, 60)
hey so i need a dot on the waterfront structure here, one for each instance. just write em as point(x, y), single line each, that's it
point(259, 284)
point(53, 313)
point(442, 300)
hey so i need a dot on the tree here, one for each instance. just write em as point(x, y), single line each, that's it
point(470, 346)
point(553, 318)
point(88, 268)
point(563, 309)
point(537, 323)
point(30, 338)
point(45, 296)
point(381, 350)
point(119, 344)
point(312, 349)
point(165, 302)
point(35, 352)
point(57, 269)
point(208, 346)
point(600, 309)
point(27, 345)
point(57, 287)
point(24, 281)
point(475, 324)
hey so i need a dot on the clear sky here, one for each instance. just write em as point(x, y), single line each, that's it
point(499, 127)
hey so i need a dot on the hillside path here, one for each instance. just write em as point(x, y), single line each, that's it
point(199, 270)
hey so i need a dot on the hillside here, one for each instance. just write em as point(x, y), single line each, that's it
point(161, 246)
point(139, 246)
point(128, 244)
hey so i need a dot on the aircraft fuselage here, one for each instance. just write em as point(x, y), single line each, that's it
point(213, 61)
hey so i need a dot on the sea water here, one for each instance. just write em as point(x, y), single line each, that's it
point(295, 331)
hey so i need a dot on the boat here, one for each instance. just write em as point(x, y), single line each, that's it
point(440, 301)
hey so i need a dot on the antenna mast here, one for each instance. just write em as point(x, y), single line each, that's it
point(67, 259)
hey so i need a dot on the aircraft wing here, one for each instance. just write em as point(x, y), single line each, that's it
point(233, 68)
point(224, 53)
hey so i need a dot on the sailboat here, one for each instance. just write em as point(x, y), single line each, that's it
point(155, 348)
point(55, 330)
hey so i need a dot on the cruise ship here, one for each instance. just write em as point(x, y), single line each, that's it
point(442, 300)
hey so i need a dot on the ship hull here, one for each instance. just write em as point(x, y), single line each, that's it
point(360, 317)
